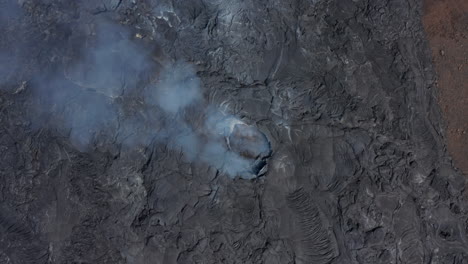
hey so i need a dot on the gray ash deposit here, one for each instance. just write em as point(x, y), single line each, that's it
point(249, 142)
point(136, 132)
point(252, 144)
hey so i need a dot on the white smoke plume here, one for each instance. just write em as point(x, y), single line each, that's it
point(114, 91)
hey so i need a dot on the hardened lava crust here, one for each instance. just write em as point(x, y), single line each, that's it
point(232, 131)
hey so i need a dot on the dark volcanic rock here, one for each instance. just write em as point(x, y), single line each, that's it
point(109, 153)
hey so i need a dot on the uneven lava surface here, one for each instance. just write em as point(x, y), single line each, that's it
point(446, 25)
point(253, 131)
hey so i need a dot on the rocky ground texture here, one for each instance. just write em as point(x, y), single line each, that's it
point(255, 131)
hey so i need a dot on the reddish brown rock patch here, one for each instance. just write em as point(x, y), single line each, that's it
point(446, 25)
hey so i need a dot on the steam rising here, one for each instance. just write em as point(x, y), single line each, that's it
point(114, 91)
point(179, 88)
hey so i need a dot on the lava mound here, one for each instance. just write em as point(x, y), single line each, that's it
point(251, 144)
